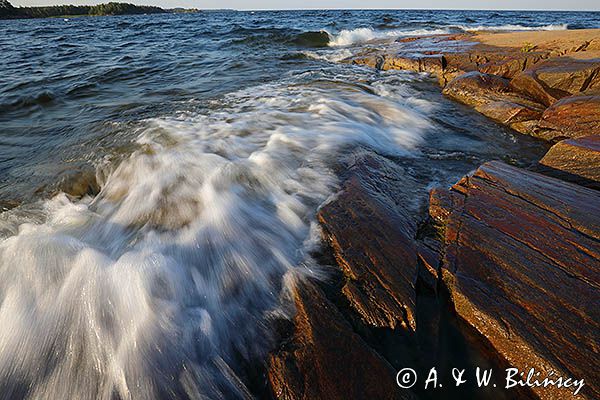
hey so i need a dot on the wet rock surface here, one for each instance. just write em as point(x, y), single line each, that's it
point(371, 234)
point(385, 266)
point(505, 272)
point(6, 205)
point(476, 88)
point(522, 266)
point(570, 117)
point(325, 359)
point(575, 160)
point(518, 263)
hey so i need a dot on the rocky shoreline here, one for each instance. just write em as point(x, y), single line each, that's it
point(503, 271)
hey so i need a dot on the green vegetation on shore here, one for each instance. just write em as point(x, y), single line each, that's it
point(8, 11)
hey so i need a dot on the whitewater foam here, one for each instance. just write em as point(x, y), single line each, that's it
point(163, 284)
point(364, 35)
point(330, 56)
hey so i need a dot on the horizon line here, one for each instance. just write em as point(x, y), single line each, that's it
point(395, 9)
point(327, 9)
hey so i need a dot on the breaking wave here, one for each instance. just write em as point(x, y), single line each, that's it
point(163, 284)
point(279, 36)
point(348, 37)
point(364, 35)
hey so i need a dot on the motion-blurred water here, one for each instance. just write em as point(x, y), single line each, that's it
point(214, 137)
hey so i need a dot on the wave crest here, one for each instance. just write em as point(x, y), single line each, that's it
point(312, 39)
point(348, 37)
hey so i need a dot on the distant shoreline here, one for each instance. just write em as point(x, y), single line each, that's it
point(8, 11)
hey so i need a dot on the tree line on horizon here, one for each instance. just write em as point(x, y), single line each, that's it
point(8, 11)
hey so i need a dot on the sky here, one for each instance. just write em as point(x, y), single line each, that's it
point(346, 4)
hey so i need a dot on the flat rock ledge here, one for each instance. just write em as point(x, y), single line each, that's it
point(575, 160)
point(547, 89)
point(522, 267)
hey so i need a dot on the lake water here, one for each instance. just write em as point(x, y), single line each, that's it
point(214, 138)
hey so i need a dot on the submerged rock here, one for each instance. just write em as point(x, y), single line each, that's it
point(576, 160)
point(79, 183)
point(372, 234)
point(325, 359)
point(522, 267)
point(572, 117)
point(76, 181)
point(6, 205)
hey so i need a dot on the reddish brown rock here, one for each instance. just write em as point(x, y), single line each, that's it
point(520, 114)
point(475, 88)
point(477, 74)
point(577, 160)
point(522, 266)
point(400, 62)
point(428, 261)
point(484, 59)
point(491, 95)
point(527, 84)
point(568, 74)
point(463, 61)
point(509, 65)
point(325, 359)
point(572, 117)
point(448, 59)
point(444, 66)
point(431, 63)
point(440, 205)
point(444, 56)
point(553, 79)
point(372, 238)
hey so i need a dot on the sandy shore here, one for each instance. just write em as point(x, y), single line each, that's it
point(567, 41)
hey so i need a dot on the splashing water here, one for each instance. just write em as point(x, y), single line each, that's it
point(349, 37)
point(162, 285)
point(364, 35)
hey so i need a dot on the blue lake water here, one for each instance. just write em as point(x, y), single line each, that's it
point(214, 138)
